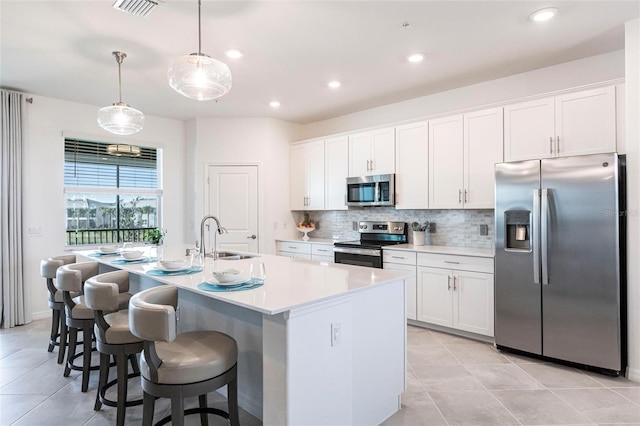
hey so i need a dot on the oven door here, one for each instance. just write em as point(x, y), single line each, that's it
point(360, 257)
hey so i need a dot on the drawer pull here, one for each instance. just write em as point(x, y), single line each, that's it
point(452, 262)
point(398, 257)
point(323, 250)
point(292, 247)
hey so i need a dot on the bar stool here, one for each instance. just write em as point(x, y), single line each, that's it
point(113, 338)
point(58, 335)
point(181, 365)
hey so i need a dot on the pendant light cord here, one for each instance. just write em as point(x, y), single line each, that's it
point(119, 80)
point(199, 29)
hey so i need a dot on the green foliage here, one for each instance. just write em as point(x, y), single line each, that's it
point(154, 236)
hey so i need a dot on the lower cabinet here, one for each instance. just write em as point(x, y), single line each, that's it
point(456, 299)
point(404, 261)
point(305, 250)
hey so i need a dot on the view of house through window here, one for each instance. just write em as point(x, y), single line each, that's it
point(112, 192)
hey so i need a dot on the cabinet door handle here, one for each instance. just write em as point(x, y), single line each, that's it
point(558, 145)
point(551, 145)
point(454, 283)
point(448, 282)
point(465, 195)
point(253, 237)
point(322, 250)
point(368, 167)
point(452, 261)
point(459, 196)
point(372, 168)
point(397, 257)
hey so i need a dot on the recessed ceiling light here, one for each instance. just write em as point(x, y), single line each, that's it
point(234, 53)
point(414, 58)
point(274, 104)
point(334, 84)
point(542, 15)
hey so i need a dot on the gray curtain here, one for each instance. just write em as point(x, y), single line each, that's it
point(13, 291)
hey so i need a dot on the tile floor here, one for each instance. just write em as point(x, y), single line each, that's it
point(451, 381)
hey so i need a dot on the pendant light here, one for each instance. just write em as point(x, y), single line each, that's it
point(120, 118)
point(199, 76)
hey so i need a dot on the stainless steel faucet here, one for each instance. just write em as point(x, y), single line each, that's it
point(219, 230)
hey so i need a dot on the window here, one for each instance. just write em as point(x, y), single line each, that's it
point(112, 192)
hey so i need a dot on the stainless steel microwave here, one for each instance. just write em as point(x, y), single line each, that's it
point(376, 190)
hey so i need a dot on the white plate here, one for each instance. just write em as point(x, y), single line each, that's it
point(106, 251)
point(162, 268)
point(240, 280)
point(141, 257)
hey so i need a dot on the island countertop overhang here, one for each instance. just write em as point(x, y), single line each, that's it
point(290, 283)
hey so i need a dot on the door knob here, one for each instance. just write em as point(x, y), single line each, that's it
point(253, 237)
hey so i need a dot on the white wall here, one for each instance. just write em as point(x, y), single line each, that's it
point(591, 70)
point(632, 109)
point(43, 200)
point(262, 141)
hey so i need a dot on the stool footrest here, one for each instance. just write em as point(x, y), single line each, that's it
point(199, 410)
point(112, 403)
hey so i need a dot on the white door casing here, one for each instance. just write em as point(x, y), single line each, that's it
point(233, 199)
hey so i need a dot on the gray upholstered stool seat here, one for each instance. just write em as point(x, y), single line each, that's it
point(71, 278)
point(193, 357)
point(58, 336)
point(104, 294)
point(178, 366)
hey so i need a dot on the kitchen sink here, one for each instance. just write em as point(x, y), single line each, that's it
point(227, 255)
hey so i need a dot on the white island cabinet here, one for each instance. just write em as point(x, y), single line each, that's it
point(318, 343)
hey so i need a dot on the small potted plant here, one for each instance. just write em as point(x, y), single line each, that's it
point(154, 236)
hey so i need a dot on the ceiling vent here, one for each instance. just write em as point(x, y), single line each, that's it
point(136, 7)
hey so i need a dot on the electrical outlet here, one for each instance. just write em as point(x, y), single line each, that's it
point(336, 333)
point(354, 226)
point(432, 228)
point(484, 229)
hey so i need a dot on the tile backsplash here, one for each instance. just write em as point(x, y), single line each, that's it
point(459, 228)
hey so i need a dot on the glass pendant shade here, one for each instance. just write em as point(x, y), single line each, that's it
point(120, 119)
point(199, 77)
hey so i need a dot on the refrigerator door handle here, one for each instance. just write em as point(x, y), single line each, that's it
point(535, 234)
point(544, 211)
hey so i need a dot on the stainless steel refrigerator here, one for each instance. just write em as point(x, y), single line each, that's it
point(560, 259)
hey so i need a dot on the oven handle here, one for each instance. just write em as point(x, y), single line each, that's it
point(366, 252)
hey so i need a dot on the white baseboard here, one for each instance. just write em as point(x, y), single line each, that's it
point(633, 374)
point(41, 315)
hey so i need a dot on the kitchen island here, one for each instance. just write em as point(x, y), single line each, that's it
point(319, 343)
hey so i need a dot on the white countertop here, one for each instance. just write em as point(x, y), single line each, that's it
point(290, 283)
point(452, 250)
point(328, 241)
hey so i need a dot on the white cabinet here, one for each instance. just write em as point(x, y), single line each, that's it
point(296, 250)
point(305, 250)
point(372, 153)
point(404, 261)
point(456, 292)
point(463, 150)
point(322, 252)
point(336, 169)
point(445, 162)
point(307, 176)
point(573, 124)
point(412, 161)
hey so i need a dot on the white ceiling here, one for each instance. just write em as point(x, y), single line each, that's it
point(62, 49)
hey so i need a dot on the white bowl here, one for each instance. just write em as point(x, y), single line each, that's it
point(107, 249)
point(132, 254)
point(226, 275)
point(172, 263)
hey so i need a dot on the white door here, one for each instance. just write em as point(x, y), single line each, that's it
point(383, 151)
point(529, 130)
point(298, 177)
point(336, 169)
point(233, 199)
point(412, 165)
point(315, 174)
point(360, 154)
point(435, 297)
point(473, 302)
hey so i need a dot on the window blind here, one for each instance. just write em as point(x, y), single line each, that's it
point(89, 164)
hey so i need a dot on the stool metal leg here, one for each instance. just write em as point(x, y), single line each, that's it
point(232, 400)
point(121, 365)
point(87, 333)
point(149, 402)
point(73, 339)
point(104, 377)
point(204, 418)
point(62, 344)
point(55, 326)
point(177, 407)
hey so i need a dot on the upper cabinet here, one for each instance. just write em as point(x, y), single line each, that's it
point(463, 150)
point(372, 153)
point(412, 161)
point(336, 169)
point(572, 124)
point(307, 176)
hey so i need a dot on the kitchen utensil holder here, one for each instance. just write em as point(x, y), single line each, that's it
point(418, 238)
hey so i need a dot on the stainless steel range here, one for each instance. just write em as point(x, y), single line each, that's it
point(368, 250)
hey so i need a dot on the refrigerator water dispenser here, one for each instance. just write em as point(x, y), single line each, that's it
point(518, 232)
